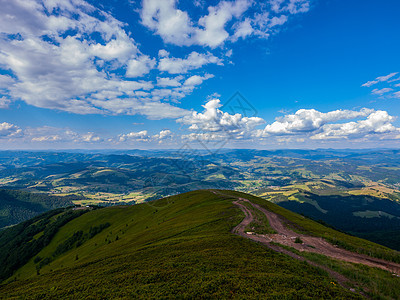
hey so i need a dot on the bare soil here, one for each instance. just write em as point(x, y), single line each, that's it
point(287, 237)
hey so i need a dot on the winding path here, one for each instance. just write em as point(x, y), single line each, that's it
point(287, 237)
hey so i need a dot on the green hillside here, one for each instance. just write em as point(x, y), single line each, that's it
point(373, 218)
point(18, 206)
point(180, 246)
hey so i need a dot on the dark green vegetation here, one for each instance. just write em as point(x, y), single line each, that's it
point(23, 241)
point(365, 216)
point(305, 225)
point(18, 206)
point(180, 245)
point(260, 223)
point(379, 282)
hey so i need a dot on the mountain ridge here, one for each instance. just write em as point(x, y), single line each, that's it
point(183, 244)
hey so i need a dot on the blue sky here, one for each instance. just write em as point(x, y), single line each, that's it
point(159, 74)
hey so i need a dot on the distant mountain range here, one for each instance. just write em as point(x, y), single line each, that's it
point(356, 191)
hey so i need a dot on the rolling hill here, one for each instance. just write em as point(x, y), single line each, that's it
point(209, 243)
point(17, 206)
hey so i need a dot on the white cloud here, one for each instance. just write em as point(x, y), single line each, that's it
point(193, 61)
point(144, 137)
point(8, 130)
point(4, 102)
point(140, 66)
point(381, 91)
point(214, 121)
point(227, 20)
point(378, 122)
point(166, 81)
point(91, 137)
point(176, 27)
point(6, 81)
point(212, 32)
point(308, 120)
point(276, 21)
point(215, 126)
point(261, 25)
point(135, 136)
point(379, 79)
point(150, 107)
point(243, 29)
point(163, 53)
point(172, 24)
point(50, 135)
point(390, 87)
point(197, 80)
point(68, 55)
point(57, 63)
point(291, 6)
point(163, 135)
point(47, 138)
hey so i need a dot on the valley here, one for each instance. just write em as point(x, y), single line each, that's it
point(352, 190)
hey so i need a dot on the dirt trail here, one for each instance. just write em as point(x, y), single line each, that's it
point(286, 236)
point(240, 230)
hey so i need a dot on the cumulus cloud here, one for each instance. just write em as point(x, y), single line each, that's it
point(163, 136)
point(227, 20)
point(243, 29)
point(197, 80)
point(378, 122)
point(214, 125)
point(167, 81)
point(172, 24)
point(50, 135)
point(308, 120)
point(214, 122)
point(135, 136)
point(140, 66)
point(90, 137)
point(70, 56)
point(8, 130)
point(212, 26)
point(193, 61)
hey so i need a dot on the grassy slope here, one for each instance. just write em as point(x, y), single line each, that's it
point(180, 245)
point(302, 224)
point(379, 284)
point(18, 206)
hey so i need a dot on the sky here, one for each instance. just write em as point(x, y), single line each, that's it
point(170, 74)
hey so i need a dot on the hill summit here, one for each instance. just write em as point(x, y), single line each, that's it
point(208, 243)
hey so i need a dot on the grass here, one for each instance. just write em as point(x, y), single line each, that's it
point(302, 224)
point(179, 245)
point(380, 284)
point(260, 224)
